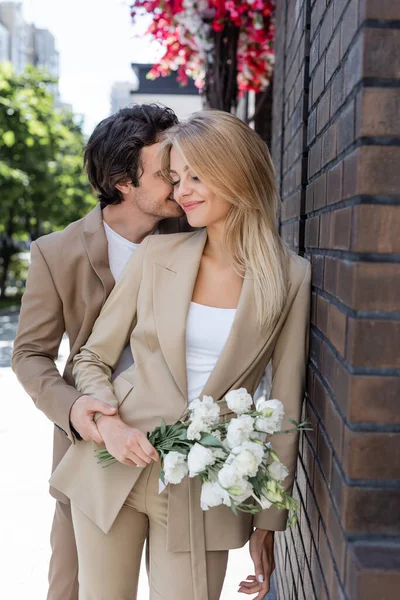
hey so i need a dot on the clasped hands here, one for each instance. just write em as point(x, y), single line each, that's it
point(130, 446)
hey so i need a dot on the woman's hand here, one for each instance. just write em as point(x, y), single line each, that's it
point(128, 445)
point(262, 554)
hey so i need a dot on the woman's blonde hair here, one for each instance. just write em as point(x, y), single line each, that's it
point(234, 162)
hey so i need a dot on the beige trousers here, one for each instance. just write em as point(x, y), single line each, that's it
point(109, 563)
point(63, 571)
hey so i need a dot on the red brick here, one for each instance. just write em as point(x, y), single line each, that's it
point(334, 184)
point(318, 80)
point(373, 571)
point(371, 455)
point(350, 179)
point(376, 228)
point(371, 510)
point(345, 135)
point(323, 108)
point(325, 230)
point(378, 112)
point(374, 399)
point(373, 343)
point(367, 286)
point(329, 144)
point(312, 232)
point(332, 56)
point(381, 58)
point(379, 9)
point(341, 232)
point(317, 263)
point(349, 26)
point(320, 192)
point(324, 454)
point(337, 328)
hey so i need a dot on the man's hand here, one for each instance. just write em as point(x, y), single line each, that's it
point(127, 444)
point(81, 417)
point(262, 554)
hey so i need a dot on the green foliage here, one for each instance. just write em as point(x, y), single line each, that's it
point(42, 184)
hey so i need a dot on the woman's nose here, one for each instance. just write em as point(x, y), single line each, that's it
point(184, 189)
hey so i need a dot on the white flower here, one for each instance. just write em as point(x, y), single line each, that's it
point(212, 494)
point(246, 464)
point(175, 467)
point(199, 458)
point(205, 410)
point(239, 401)
point(194, 430)
point(248, 458)
point(239, 430)
point(277, 471)
point(229, 477)
point(271, 416)
point(239, 493)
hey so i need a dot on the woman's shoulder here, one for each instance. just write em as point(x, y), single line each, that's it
point(299, 269)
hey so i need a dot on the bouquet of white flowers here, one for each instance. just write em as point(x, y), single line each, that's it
point(234, 460)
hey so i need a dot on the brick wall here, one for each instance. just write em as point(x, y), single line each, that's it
point(336, 146)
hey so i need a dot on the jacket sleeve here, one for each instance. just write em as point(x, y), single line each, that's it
point(289, 362)
point(40, 330)
point(95, 363)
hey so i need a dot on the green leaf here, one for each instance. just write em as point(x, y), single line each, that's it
point(9, 138)
point(209, 440)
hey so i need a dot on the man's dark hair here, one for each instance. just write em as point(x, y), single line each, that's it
point(112, 154)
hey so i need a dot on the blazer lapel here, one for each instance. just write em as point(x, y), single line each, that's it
point(173, 286)
point(95, 242)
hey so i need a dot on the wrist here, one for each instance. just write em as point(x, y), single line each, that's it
point(103, 421)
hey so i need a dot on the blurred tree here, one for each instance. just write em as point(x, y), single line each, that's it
point(42, 184)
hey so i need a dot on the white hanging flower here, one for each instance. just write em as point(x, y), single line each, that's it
point(248, 458)
point(199, 458)
point(239, 430)
point(271, 416)
point(212, 494)
point(239, 401)
point(277, 471)
point(175, 467)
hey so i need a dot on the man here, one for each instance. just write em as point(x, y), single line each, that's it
point(71, 274)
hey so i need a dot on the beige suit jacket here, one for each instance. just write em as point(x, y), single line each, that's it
point(149, 307)
point(68, 282)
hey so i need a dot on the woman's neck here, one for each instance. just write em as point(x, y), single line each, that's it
point(214, 247)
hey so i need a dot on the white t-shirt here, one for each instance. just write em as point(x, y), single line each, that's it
point(207, 330)
point(120, 251)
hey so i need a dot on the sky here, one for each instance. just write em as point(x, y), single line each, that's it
point(97, 43)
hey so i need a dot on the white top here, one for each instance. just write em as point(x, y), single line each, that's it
point(120, 251)
point(207, 329)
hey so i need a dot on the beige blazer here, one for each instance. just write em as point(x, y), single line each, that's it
point(149, 307)
point(69, 280)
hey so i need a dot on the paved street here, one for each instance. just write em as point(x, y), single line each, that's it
point(25, 506)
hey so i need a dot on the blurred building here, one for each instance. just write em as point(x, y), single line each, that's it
point(121, 95)
point(42, 53)
point(12, 20)
point(4, 43)
point(24, 44)
point(183, 100)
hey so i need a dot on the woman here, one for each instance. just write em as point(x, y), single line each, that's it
point(204, 312)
